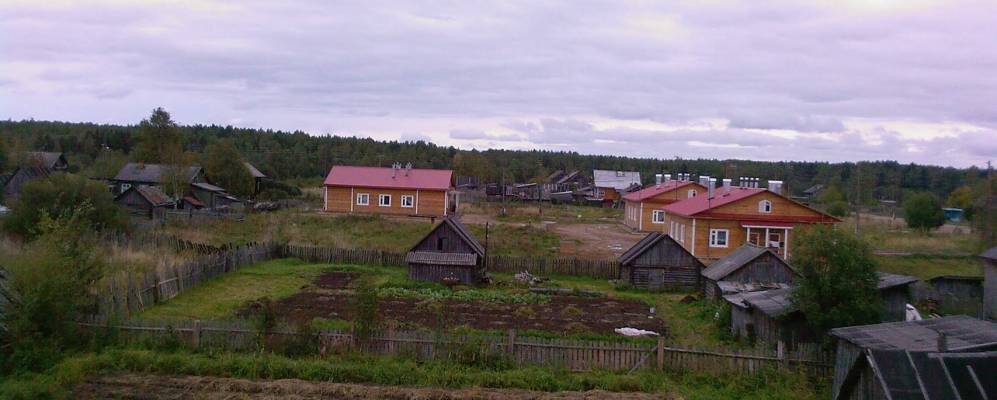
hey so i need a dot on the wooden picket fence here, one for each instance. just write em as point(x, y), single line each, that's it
point(599, 269)
point(575, 355)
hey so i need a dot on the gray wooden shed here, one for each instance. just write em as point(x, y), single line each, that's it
point(658, 262)
point(943, 358)
point(990, 283)
point(448, 251)
point(895, 292)
point(143, 200)
point(768, 316)
point(749, 264)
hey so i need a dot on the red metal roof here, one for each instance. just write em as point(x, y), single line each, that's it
point(423, 179)
point(700, 203)
point(654, 190)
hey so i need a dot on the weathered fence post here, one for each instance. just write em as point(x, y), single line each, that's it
point(661, 353)
point(195, 339)
point(782, 353)
point(511, 347)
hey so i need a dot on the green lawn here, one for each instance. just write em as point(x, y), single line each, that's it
point(219, 298)
point(929, 267)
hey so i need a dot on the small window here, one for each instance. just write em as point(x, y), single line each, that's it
point(125, 187)
point(363, 199)
point(441, 243)
point(384, 200)
point(765, 206)
point(408, 201)
point(718, 237)
point(682, 233)
point(692, 193)
point(658, 216)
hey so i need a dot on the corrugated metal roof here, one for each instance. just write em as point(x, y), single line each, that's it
point(888, 280)
point(734, 261)
point(153, 194)
point(423, 179)
point(774, 303)
point(727, 287)
point(655, 190)
point(960, 331)
point(429, 257)
point(698, 204)
point(151, 173)
point(619, 180)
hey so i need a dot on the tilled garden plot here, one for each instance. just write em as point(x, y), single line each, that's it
point(561, 314)
point(154, 387)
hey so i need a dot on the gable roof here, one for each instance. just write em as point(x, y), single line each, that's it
point(646, 244)
point(45, 159)
point(773, 303)
point(695, 205)
point(152, 173)
point(377, 177)
point(888, 280)
point(460, 229)
point(619, 180)
point(655, 190)
point(12, 187)
point(568, 177)
point(736, 260)
point(960, 331)
point(814, 189)
point(253, 170)
point(207, 186)
point(152, 194)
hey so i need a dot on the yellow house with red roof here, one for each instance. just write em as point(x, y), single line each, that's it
point(716, 223)
point(644, 210)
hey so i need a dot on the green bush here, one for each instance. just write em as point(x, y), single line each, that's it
point(61, 194)
point(838, 209)
point(923, 211)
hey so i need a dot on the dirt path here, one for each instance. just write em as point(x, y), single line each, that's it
point(151, 387)
point(597, 241)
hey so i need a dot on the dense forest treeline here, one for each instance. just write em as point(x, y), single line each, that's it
point(99, 150)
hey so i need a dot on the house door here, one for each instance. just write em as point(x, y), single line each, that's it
point(776, 243)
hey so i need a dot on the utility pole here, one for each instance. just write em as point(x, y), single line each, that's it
point(858, 195)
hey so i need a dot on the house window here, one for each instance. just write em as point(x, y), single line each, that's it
point(682, 233)
point(765, 206)
point(407, 201)
point(658, 216)
point(441, 243)
point(125, 187)
point(692, 193)
point(384, 200)
point(363, 199)
point(718, 237)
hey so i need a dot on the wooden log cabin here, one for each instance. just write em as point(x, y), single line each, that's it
point(713, 225)
point(144, 201)
point(391, 191)
point(644, 210)
point(657, 262)
point(610, 186)
point(751, 268)
point(448, 251)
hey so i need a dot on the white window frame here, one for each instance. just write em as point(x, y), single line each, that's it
point(682, 233)
point(381, 202)
point(715, 238)
point(655, 214)
point(125, 187)
point(765, 207)
point(410, 198)
point(365, 197)
point(691, 193)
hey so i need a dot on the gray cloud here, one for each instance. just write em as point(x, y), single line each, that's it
point(553, 70)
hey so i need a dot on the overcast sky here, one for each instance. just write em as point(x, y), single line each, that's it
point(906, 80)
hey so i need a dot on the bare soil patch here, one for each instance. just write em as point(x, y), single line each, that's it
point(598, 241)
point(154, 387)
point(336, 280)
point(561, 314)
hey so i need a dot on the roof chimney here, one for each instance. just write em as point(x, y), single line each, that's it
point(657, 180)
point(775, 186)
point(667, 178)
point(408, 168)
point(711, 187)
point(727, 182)
point(704, 180)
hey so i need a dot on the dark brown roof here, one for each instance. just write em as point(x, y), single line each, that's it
point(960, 331)
point(430, 257)
point(152, 194)
point(151, 173)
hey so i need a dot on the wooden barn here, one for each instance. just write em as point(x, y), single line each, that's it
point(990, 283)
point(895, 291)
point(448, 251)
point(751, 265)
point(144, 200)
point(942, 358)
point(768, 316)
point(658, 262)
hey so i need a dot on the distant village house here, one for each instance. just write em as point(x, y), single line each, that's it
point(394, 191)
point(34, 165)
point(610, 186)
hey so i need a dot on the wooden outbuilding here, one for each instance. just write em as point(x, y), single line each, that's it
point(12, 188)
point(750, 265)
point(895, 291)
point(448, 251)
point(943, 358)
point(990, 283)
point(768, 316)
point(658, 262)
point(144, 200)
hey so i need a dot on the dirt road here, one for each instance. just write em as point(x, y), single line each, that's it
point(154, 387)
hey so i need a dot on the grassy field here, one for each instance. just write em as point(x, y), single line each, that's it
point(58, 382)
point(929, 267)
point(534, 213)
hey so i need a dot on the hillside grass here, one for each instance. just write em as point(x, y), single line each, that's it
point(58, 381)
point(220, 297)
point(925, 268)
point(535, 212)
